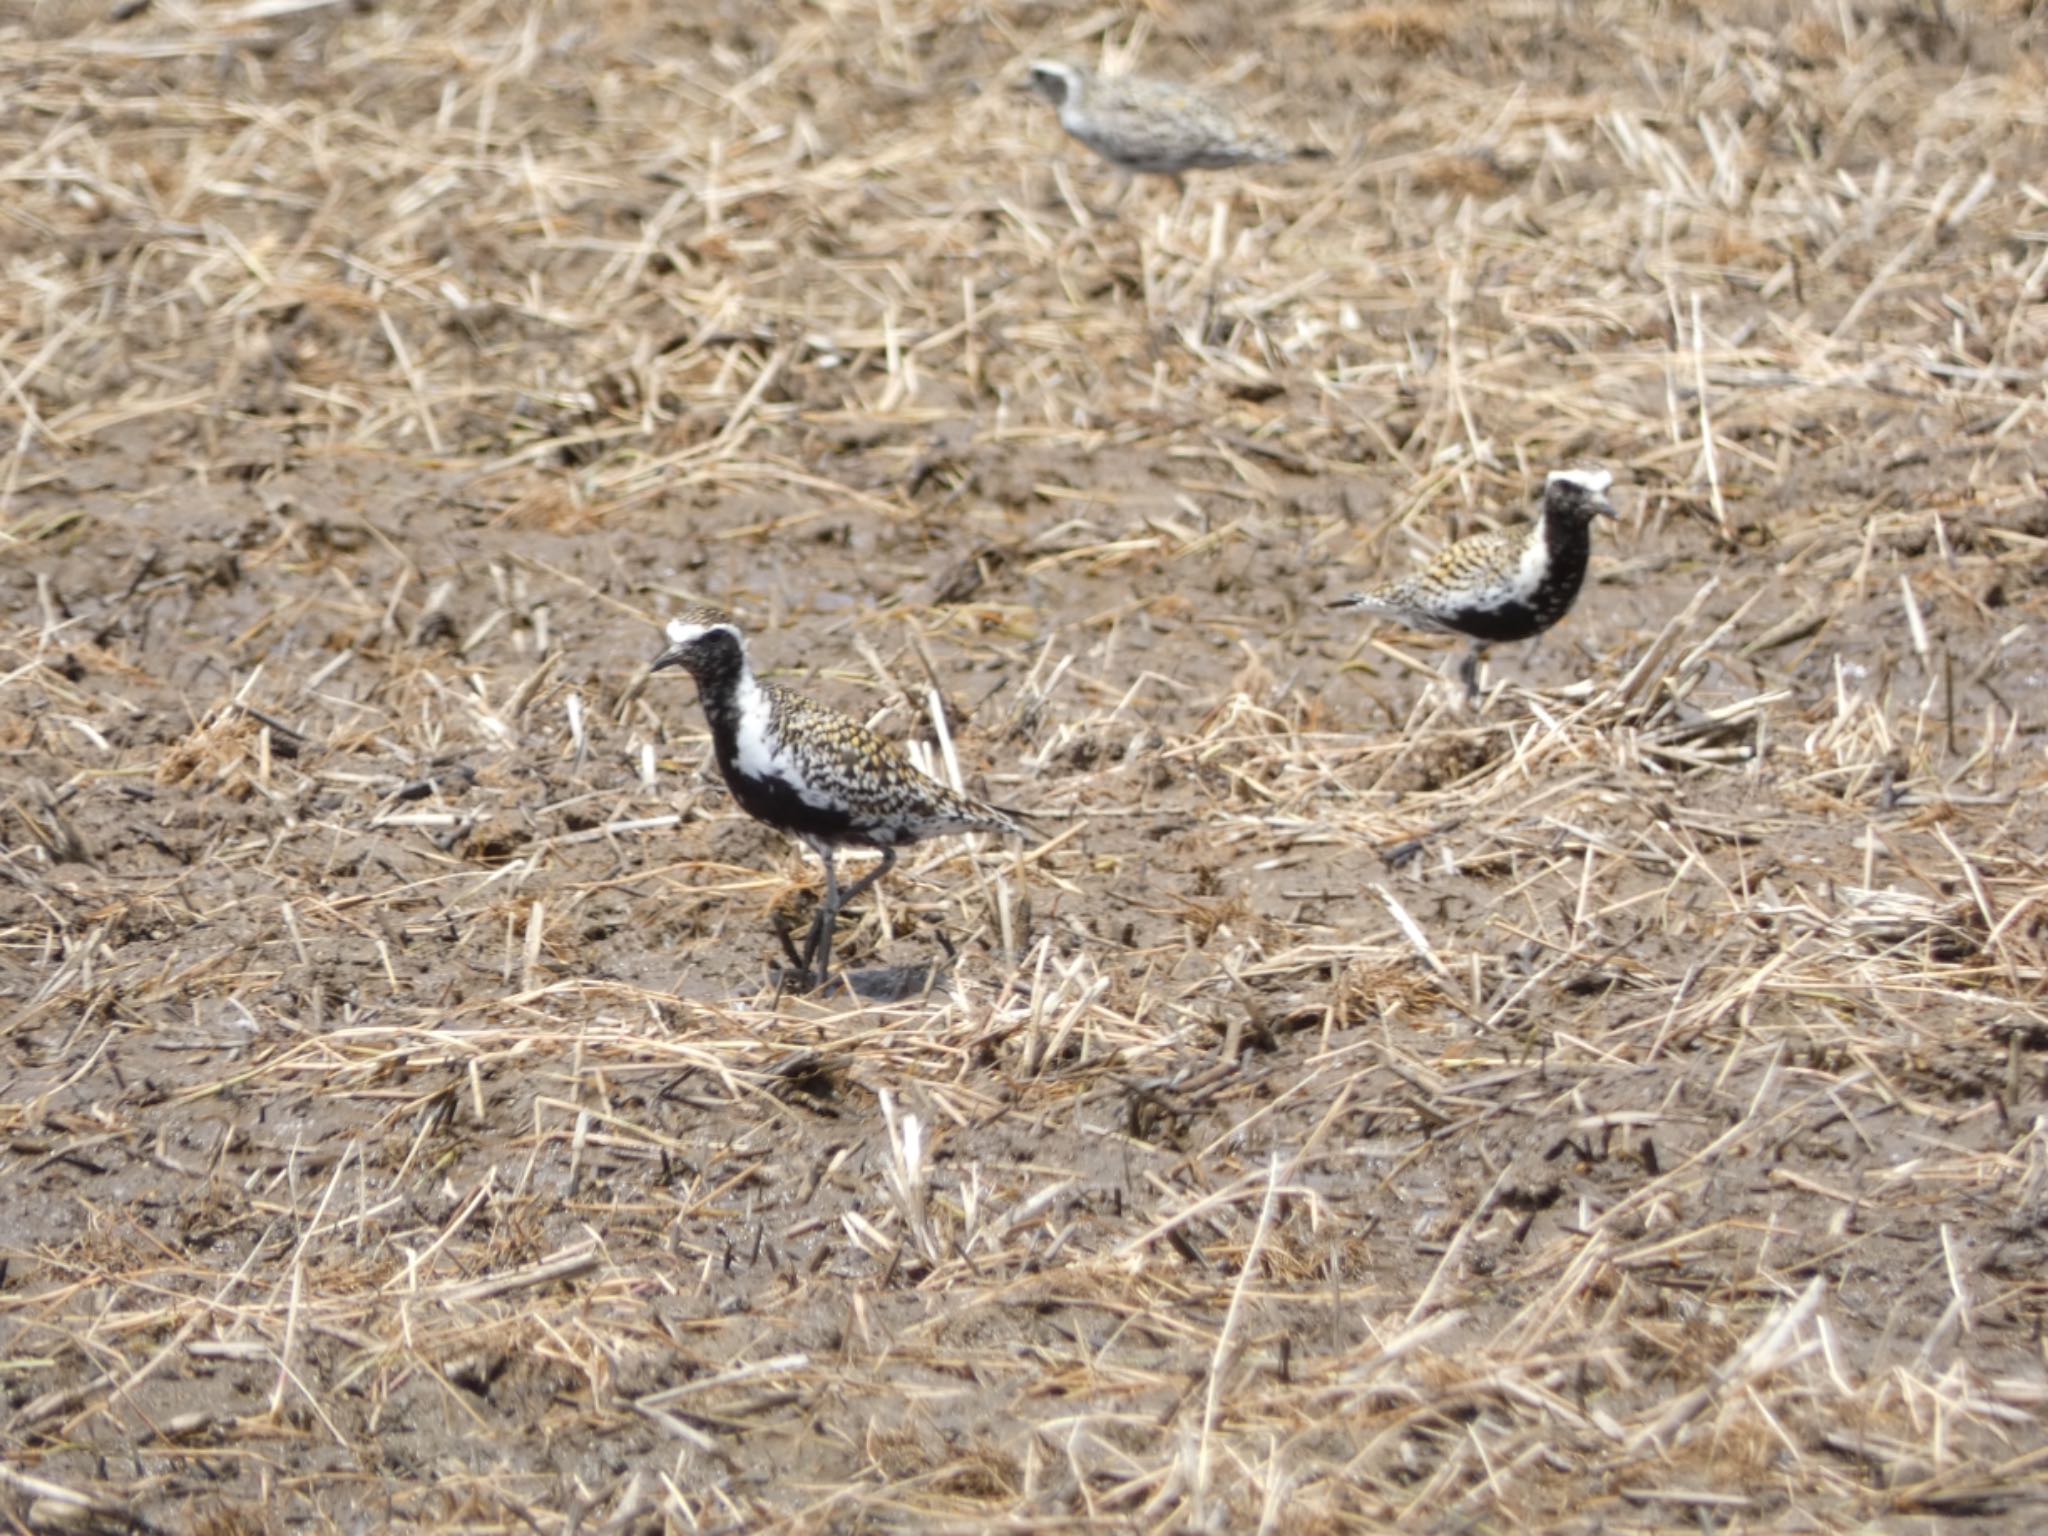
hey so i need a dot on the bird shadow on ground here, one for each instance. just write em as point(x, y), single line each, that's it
point(877, 984)
point(890, 983)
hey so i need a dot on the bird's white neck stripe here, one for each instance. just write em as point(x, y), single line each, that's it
point(755, 748)
point(1535, 561)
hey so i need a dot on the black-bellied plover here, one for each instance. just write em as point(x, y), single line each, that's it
point(812, 772)
point(1155, 127)
point(1508, 585)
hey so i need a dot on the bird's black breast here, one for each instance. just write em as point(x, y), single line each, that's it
point(1510, 621)
point(1569, 545)
point(776, 801)
point(769, 797)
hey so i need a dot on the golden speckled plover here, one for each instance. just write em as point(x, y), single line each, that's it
point(812, 772)
point(1154, 127)
point(1503, 586)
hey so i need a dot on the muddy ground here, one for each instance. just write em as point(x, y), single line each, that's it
point(1615, 1106)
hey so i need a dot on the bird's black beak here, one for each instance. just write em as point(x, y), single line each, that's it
point(1046, 83)
point(672, 657)
point(1349, 600)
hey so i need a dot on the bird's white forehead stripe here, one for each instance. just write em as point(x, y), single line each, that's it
point(682, 633)
point(1593, 481)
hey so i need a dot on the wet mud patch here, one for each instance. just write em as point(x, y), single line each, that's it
point(1609, 1105)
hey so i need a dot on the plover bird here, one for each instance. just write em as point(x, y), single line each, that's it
point(812, 772)
point(1154, 127)
point(1505, 585)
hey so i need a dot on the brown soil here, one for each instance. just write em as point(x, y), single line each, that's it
point(1613, 1108)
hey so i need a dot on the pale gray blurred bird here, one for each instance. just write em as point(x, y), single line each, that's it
point(1155, 127)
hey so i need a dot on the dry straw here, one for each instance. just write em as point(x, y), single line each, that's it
point(1616, 1106)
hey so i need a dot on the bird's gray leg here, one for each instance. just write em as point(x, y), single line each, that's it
point(836, 902)
point(796, 962)
point(828, 914)
point(824, 854)
point(859, 887)
point(1469, 671)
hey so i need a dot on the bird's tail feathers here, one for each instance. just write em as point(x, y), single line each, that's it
point(1019, 824)
point(1380, 604)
